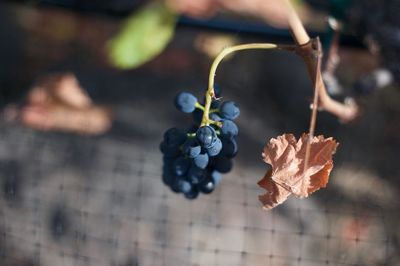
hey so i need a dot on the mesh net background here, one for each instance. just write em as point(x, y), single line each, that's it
point(79, 200)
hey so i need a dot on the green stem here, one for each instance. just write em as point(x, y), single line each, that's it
point(210, 91)
point(199, 106)
point(217, 123)
point(212, 110)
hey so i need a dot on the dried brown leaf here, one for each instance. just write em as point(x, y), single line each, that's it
point(275, 195)
point(288, 176)
point(320, 179)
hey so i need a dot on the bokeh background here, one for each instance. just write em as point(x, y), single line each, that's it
point(70, 199)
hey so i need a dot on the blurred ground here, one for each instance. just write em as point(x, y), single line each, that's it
point(79, 200)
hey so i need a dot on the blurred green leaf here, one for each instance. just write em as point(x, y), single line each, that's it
point(143, 36)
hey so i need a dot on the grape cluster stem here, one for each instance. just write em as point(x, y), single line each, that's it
point(311, 52)
point(210, 95)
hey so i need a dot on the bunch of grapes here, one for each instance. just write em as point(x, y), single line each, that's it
point(194, 158)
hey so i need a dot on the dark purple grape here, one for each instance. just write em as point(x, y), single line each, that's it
point(215, 117)
point(167, 178)
point(180, 166)
point(195, 175)
point(216, 177)
point(229, 110)
point(167, 173)
point(215, 104)
point(184, 186)
point(207, 186)
point(175, 136)
point(206, 136)
point(169, 151)
point(201, 161)
point(192, 194)
point(191, 148)
point(223, 164)
point(175, 185)
point(215, 149)
point(229, 148)
point(185, 102)
point(229, 129)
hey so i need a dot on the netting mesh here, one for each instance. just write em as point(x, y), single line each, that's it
point(79, 200)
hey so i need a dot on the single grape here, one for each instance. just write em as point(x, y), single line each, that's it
point(175, 185)
point(167, 175)
point(223, 164)
point(167, 165)
point(215, 117)
point(184, 186)
point(191, 148)
point(169, 151)
point(185, 102)
point(201, 161)
point(215, 104)
point(168, 160)
point(229, 147)
point(229, 129)
point(229, 110)
point(207, 186)
point(195, 174)
point(175, 136)
point(216, 177)
point(206, 136)
point(180, 166)
point(192, 194)
point(215, 149)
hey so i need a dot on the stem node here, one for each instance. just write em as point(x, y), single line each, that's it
point(210, 94)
